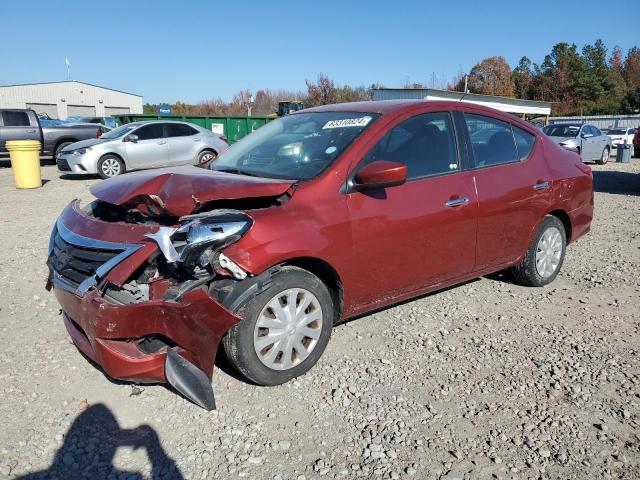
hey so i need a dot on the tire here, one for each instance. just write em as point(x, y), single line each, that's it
point(205, 158)
point(527, 271)
point(604, 158)
point(60, 147)
point(240, 341)
point(110, 166)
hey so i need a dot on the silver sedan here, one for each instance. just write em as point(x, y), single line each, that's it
point(139, 145)
point(587, 140)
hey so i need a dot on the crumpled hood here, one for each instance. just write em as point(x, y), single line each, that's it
point(182, 190)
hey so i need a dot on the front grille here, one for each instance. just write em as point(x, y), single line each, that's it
point(75, 263)
point(63, 165)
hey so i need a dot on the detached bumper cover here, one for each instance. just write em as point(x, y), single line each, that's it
point(110, 333)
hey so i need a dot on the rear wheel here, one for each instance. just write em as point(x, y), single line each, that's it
point(110, 166)
point(604, 158)
point(284, 330)
point(543, 260)
point(205, 158)
point(61, 147)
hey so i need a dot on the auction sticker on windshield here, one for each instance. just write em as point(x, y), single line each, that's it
point(347, 122)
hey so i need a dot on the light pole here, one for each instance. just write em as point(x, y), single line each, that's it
point(249, 105)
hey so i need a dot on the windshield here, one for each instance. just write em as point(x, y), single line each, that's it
point(562, 130)
point(118, 132)
point(298, 146)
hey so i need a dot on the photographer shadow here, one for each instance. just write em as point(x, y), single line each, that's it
point(90, 446)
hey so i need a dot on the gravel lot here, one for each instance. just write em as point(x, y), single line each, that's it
point(485, 380)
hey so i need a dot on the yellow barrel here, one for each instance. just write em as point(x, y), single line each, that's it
point(25, 163)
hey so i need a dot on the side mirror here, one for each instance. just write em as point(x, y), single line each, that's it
point(381, 174)
point(587, 135)
point(132, 137)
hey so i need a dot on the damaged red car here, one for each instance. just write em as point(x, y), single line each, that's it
point(317, 217)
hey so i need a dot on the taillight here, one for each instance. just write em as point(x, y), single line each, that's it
point(224, 139)
point(584, 168)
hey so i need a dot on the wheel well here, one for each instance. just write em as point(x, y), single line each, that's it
point(113, 155)
point(327, 274)
point(566, 221)
point(61, 141)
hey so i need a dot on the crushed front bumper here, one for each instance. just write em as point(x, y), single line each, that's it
point(111, 334)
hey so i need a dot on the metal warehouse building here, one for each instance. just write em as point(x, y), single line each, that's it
point(66, 99)
point(525, 108)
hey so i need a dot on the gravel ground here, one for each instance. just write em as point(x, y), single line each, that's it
point(485, 380)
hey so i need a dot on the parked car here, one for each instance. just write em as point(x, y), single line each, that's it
point(590, 143)
point(23, 124)
point(139, 145)
point(621, 136)
point(319, 216)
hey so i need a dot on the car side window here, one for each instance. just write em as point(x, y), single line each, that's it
point(180, 130)
point(491, 139)
point(15, 119)
point(150, 132)
point(524, 142)
point(596, 132)
point(424, 143)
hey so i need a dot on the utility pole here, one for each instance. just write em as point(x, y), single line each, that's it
point(466, 78)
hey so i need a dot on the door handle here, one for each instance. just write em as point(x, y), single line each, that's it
point(31, 131)
point(457, 202)
point(541, 186)
point(162, 142)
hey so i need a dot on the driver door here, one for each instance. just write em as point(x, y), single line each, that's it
point(150, 149)
point(588, 143)
point(423, 232)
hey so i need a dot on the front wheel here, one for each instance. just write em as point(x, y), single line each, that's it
point(110, 166)
point(543, 260)
point(604, 158)
point(284, 330)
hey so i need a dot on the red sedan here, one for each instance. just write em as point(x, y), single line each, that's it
point(316, 217)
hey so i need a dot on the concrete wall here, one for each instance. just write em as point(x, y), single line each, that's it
point(59, 96)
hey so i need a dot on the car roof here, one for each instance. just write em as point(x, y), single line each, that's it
point(388, 106)
point(147, 122)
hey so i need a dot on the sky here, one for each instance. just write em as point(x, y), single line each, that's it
point(195, 50)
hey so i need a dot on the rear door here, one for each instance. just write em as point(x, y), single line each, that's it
point(150, 150)
point(183, 142)
point(513, 185)
point(18, 125)
point(421, 233)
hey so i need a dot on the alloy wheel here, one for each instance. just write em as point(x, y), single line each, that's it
point(110, 167)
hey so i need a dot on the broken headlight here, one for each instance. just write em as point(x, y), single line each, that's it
point(194, 243)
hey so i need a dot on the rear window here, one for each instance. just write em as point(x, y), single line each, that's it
point(180, 130)
point(524, 142)
point(15, 119)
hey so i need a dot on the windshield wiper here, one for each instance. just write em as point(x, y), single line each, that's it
point(237, 171)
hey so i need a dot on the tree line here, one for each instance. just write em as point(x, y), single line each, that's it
point(589, 81)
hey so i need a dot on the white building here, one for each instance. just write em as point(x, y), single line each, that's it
point(525, 108)
point(66, 99)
